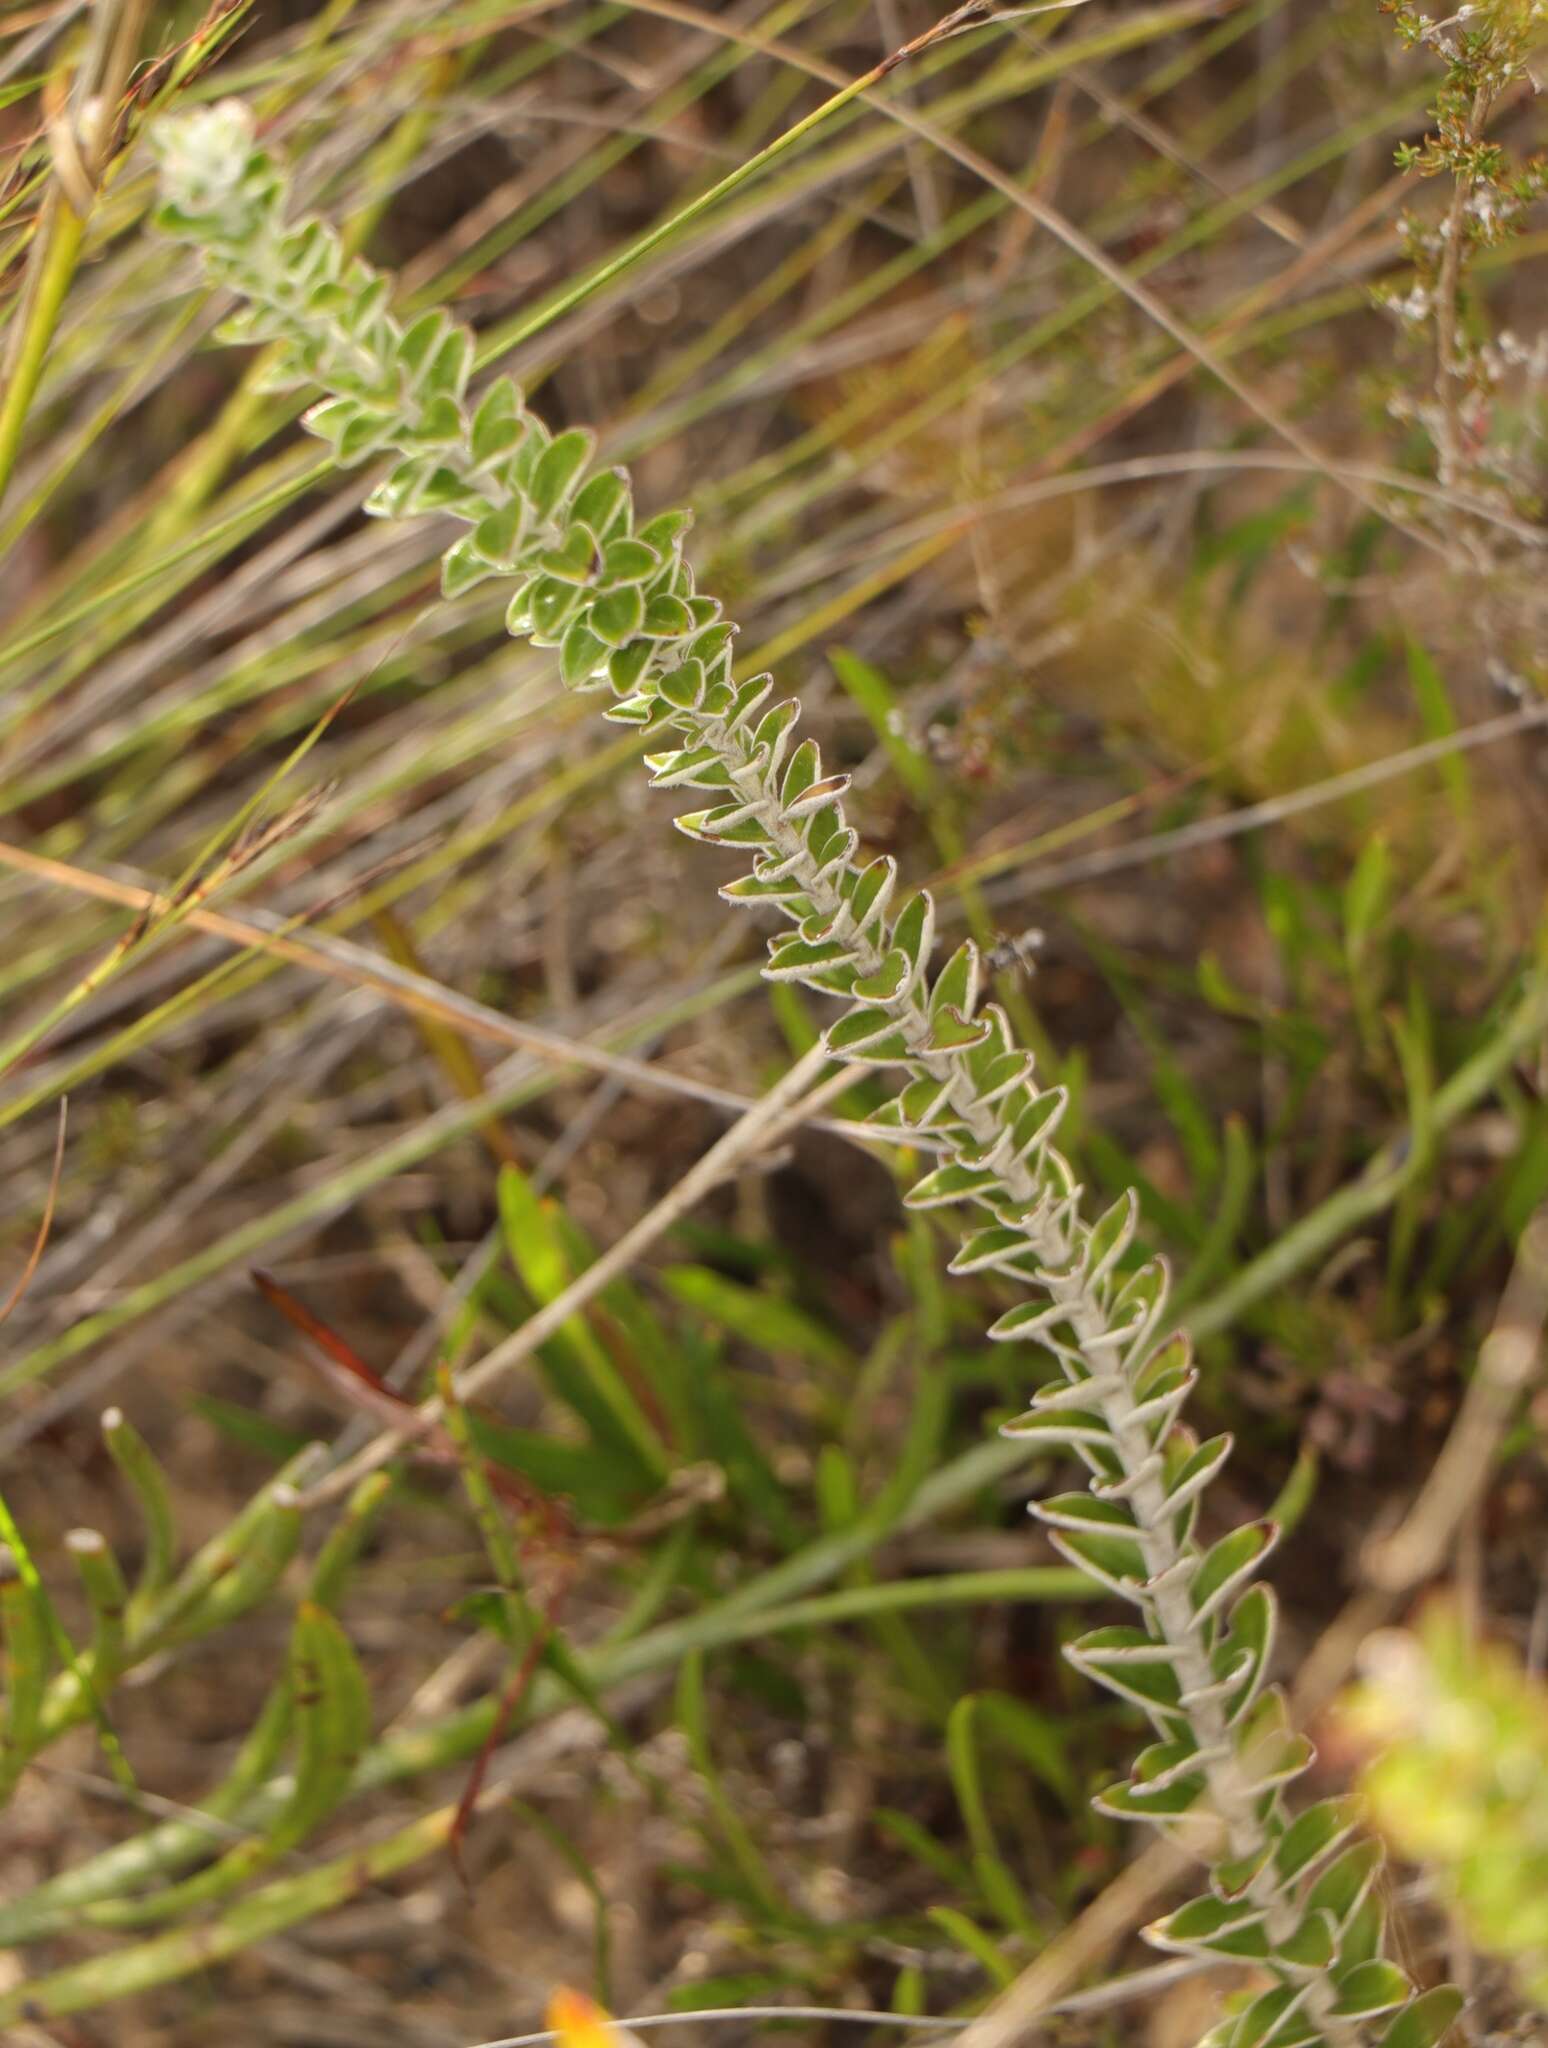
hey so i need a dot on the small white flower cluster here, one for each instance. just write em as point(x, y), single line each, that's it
point(204, 156)
point(1530, 356)
point(1416, 305)
point(1487, 206)
point(1436, 31)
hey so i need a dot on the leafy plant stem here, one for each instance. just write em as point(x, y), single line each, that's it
point(618, 601)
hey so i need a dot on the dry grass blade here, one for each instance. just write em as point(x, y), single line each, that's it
point(46, 1220)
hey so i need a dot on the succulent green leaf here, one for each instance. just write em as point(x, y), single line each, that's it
point(449, 367)
point(667, 617)
point(602, 503)
point(1369, 1989)
point(551, 604)
point(572, 559)
point(1426, 2021)
point(581, 653)
point(956, 986)
point(628, 561)
point(663, 531)
point(497, 426)
point(617, 615)
point(418, 345)
point(497, 536)
point(559, 468)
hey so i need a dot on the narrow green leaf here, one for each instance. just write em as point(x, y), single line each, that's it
point(1427, 2021)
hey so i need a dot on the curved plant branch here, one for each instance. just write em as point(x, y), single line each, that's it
point(617, 600)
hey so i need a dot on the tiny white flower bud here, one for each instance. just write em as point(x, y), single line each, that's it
point(204, 154)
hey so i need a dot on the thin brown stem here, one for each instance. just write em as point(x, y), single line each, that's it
point(1451, 456)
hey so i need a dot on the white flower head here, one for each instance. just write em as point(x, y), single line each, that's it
point(204, 154)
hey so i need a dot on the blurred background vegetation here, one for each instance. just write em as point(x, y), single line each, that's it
point(1195, 665)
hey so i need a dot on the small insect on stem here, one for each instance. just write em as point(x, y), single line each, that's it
point(1015, 950)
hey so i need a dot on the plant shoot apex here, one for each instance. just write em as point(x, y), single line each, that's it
point(204, 155)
